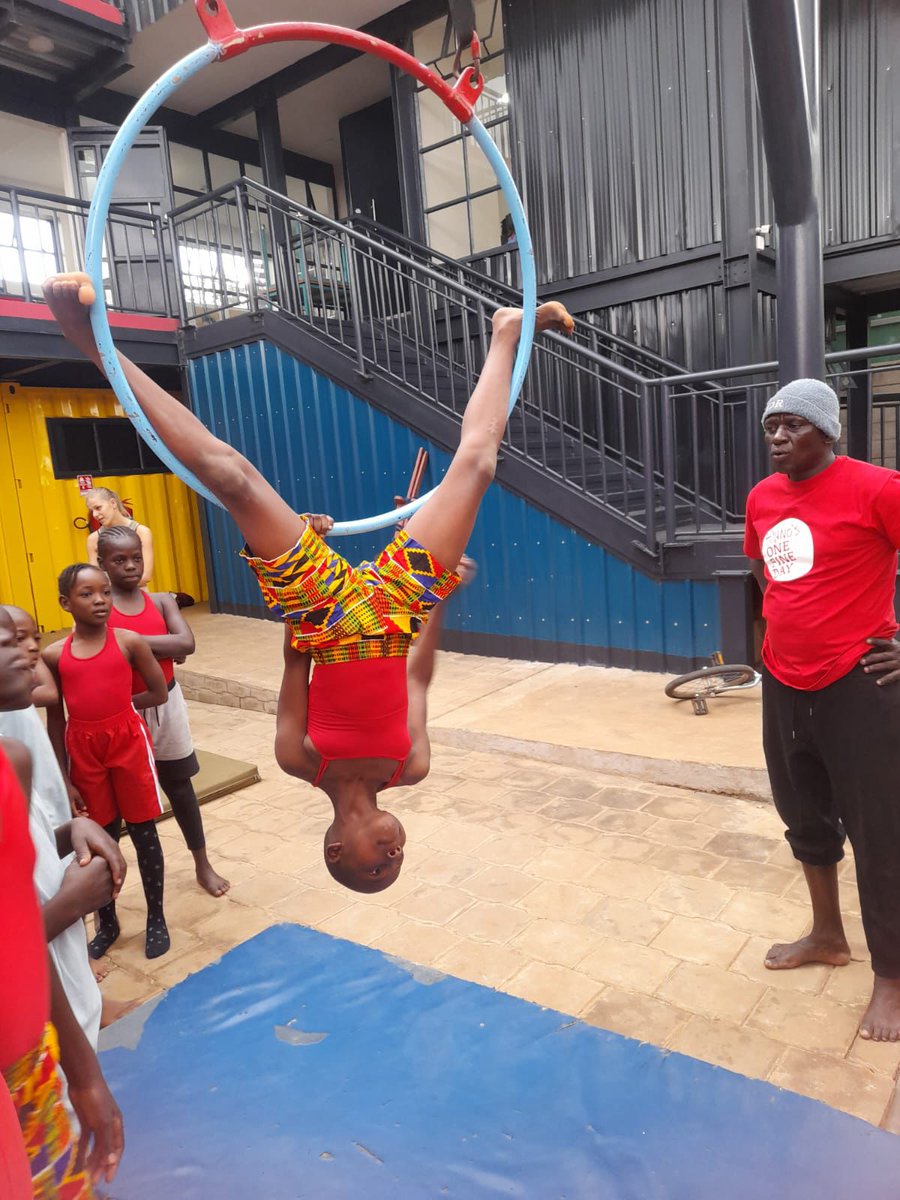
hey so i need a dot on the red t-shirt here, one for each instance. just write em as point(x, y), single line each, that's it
point(829, 545)
point(24, 974)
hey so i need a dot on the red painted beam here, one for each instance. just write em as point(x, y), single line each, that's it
point(97, 8)
point(40, 312)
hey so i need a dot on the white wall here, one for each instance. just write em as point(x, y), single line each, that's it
point(32, 155)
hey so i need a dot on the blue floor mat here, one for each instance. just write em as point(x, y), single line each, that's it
point(303, 1067)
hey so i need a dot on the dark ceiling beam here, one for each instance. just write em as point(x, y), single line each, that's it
point(104, 68)
point(391, 26)
point(112, 108)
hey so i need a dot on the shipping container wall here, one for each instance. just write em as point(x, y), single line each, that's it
point(617, 126)
point(615, 109)
point(860, 116)
point(543, 590)
point(38, 535)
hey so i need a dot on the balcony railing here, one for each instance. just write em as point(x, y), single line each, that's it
point(42, 234)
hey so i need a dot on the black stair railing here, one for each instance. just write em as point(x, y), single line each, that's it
point(587, 417)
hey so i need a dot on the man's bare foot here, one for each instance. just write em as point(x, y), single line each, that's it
point(882, 1020)
point(69, 298)
point(785, 955)
point(551, 317)
point(210, 880)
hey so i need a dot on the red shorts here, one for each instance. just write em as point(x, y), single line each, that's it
point(111, 764)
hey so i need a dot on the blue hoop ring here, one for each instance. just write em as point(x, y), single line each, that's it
point(146, 106)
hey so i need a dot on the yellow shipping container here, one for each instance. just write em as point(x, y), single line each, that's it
point(38, 535)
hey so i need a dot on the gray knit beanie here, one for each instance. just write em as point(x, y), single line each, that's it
point(810, 398)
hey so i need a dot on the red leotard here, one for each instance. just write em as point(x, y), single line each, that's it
point(149, 622)
point(98, 687)
point(24, 1006)
point(359, 710)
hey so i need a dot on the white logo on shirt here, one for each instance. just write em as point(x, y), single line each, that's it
point(788, 550)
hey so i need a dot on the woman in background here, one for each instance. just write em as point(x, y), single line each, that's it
point(108, 511)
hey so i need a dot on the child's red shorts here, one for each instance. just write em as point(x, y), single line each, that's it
point(111, 764)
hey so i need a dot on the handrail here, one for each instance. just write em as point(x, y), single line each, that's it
point(340, 231)
point(486, 281)
point(73, 202)
point(833, 356)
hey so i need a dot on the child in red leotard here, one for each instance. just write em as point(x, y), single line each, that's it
point(358, 624)
point(158, 620)
point(104, 749)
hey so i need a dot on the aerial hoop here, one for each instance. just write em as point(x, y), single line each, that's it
point(227, 41)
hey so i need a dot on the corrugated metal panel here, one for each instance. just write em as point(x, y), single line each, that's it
point(684, 327)
point(615, 129)
point(859, 112)
point(36, 518)
point(327, 450)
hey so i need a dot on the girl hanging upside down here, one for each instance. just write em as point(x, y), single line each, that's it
point(359, 725)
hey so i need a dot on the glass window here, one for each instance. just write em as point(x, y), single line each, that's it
point(188, 169)
point(323, 199)
point(253, 172)
point(444, 174)
point(464, 208)
point(222, 170)
point(99, 446)
point(448, 230)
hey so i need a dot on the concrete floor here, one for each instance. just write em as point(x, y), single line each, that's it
point(606, 893)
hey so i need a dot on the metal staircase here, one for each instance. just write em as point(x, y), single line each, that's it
point(594, 439)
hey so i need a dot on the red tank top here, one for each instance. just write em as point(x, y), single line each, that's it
point(149, 622)
point(25, 990)
point(359, 710)
point(96, 688)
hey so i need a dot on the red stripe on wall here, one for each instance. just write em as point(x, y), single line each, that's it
point(97, 8)
point(40, 312)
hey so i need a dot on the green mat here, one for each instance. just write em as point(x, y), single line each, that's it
point(219, 776)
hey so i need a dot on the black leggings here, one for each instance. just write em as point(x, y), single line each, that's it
point(185, 810)
point(152, 870)
point(834, 765)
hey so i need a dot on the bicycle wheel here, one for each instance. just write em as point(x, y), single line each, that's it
point(709, 681)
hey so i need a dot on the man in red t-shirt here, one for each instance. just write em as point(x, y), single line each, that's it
point(822, 536)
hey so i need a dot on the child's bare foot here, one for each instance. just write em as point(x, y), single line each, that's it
point(783, 956)
point(551, 317)
point(102, 969)
point(209, 879)
point(112, 1010)
point(69, 297)
point(882, 1020)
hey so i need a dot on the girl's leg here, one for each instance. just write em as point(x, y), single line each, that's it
point(152, 868)
point(107, 921)
point(444, 525)
point(269, 525)
point(186, 811)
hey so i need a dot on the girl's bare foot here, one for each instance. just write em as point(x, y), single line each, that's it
point(785, 955)
point(209, 879)
point(551, 317)
point(882, 1020)
point(69, 298)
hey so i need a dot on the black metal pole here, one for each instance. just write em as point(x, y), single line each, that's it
point(786, 74)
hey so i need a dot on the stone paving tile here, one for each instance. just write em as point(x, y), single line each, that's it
point(645, 910)
point(644, 1018)
point(711, 991)
point(696, 940)
point(810, 1022)
point(845, 1085)
point(554, 986)
point(639, 968)
point(727, 1045)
